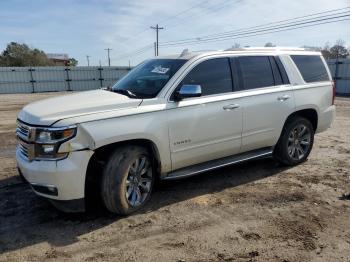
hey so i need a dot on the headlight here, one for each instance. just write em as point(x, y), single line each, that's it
point(54, 135)
point(48, 141)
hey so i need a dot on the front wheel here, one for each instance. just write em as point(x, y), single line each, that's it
point(296, 141)
point(127, 180)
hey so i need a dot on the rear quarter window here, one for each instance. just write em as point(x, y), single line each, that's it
point(311, 68)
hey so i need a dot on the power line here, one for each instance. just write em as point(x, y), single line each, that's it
point(210, 9)
point(170, 18)
point(254, 27)
point(146, 48)
point(109, 59)
point(265, 33)
point(166, 19)
point(183, 11)
point(260, 30)
point(285, 20)
point(134, 53)
point(226, 35)
point(157, 28)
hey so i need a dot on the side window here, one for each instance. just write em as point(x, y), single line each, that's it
point(256, 72)
point(282, 71)
point(213, 75)
point(276, 73)
point(311, 68)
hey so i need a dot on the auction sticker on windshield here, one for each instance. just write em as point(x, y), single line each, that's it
point(160, 70)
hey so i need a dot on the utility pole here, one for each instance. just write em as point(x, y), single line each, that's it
point(109, 60)
point(88, 61)
point(157, 28)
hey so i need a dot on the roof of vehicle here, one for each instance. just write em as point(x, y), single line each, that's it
point(187, 55)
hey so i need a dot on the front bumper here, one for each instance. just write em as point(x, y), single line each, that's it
point(67, 176)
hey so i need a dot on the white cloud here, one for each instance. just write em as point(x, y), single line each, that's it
point(81, 28)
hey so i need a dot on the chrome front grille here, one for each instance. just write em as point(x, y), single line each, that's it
point(24, 134)
point(24, 150)
point(23, 130)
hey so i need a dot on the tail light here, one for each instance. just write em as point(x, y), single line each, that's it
point(333, 95)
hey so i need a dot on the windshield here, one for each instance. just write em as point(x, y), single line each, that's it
point(147, 79)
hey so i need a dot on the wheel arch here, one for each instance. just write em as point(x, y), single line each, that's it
point(147, 143)
point(100, 157)
point(308, 113)
point(280, 154)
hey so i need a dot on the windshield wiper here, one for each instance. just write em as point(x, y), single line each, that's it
point(125, 92)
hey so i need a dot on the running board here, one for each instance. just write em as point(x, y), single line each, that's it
point(217, 163)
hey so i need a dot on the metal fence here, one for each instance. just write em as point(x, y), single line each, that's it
point(57, 78)
point(340, 69)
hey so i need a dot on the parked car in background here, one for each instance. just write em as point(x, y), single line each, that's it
point(174, 117)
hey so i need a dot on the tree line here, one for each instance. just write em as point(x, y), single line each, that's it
point(16, 54)
point(338, 50)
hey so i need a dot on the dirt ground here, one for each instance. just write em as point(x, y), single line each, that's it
point(257, 211)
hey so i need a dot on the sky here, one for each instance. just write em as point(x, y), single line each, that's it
point(88, 27)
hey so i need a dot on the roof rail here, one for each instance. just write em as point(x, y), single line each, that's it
point(277, 48)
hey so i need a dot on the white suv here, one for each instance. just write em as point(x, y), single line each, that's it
point(174, 117)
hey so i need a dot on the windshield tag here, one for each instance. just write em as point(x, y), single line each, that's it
point(160, 70)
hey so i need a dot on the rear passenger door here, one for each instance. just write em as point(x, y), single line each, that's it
point(267, 99)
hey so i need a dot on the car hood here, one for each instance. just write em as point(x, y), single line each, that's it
point(48, 111)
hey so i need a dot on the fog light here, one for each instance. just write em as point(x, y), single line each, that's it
point(45, 189)
point(48, 148)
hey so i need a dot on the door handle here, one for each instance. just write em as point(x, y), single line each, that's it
point(283, 98)
point(231, 107)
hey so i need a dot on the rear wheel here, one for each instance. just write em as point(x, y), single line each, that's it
point(296, 141)
point(127, 180)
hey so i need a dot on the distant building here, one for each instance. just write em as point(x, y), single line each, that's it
point(59, 59)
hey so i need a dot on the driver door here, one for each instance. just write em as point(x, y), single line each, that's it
point(207, 127)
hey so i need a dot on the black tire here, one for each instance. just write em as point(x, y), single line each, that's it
point(283, 151)
point(119, 176)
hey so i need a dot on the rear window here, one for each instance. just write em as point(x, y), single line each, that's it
point(311, 68)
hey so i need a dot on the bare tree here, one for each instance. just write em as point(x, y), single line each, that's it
point(338, 50)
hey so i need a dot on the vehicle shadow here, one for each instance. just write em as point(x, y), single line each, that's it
point(26, 219)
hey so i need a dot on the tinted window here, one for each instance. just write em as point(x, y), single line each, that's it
point(311, 68)
point(282, 70)
point(256, 71)
point(213, 75)
point(276, 73)
point(147, 79)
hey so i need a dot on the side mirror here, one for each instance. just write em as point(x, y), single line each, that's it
point(187, 91)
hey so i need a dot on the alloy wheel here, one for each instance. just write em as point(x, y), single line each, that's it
point(299, 141)
point(139, 181)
